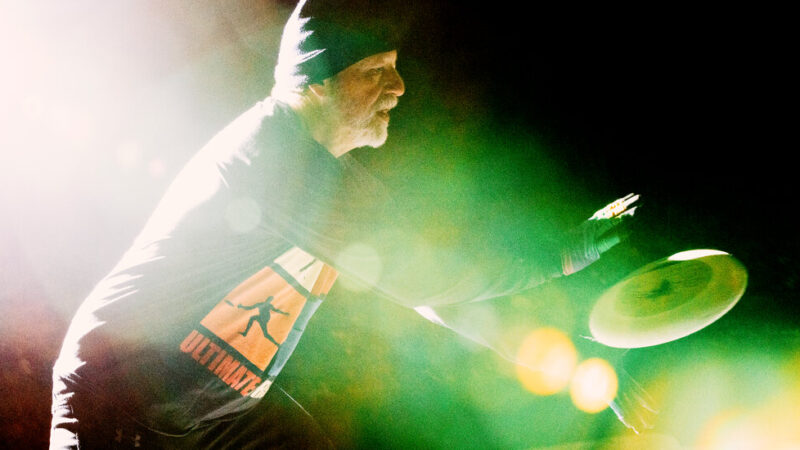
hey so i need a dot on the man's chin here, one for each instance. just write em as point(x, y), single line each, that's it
point(377, 135)
point(380, 141)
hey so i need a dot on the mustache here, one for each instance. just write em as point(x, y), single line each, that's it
point(386, 102)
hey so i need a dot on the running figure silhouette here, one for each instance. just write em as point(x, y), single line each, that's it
point(265, 309)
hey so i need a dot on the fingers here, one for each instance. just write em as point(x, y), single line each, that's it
point(616, 208)
point(629, 212)
point(630, 199)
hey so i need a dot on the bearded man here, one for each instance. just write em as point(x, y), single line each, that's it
point(162, 354)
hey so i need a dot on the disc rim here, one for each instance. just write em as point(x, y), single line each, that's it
point(615, 330)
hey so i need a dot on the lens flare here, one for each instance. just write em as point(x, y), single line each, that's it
point(546, 360)
point(772, 425)
point(594, 385)
point(733, 429)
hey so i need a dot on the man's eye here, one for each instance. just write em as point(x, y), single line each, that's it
point(375, 71)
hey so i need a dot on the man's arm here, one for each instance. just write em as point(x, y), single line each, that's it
point(334, 216)
point(329, 207)
point(501, 324)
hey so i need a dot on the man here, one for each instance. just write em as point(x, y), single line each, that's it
point(163, 352)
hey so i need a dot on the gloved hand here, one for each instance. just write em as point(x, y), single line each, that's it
point(598, 234)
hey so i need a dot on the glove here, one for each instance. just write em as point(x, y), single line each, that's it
point(597, 235)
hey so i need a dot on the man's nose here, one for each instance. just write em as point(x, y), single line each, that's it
point(394, 83)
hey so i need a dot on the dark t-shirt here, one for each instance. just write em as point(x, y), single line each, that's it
point(203, 311)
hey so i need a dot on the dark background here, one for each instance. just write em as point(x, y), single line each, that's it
point(535, 110)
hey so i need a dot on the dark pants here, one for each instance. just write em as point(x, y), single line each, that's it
point(278, 421)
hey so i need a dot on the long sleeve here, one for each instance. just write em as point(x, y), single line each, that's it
point(334, 210)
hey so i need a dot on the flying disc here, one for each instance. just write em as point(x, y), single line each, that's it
point(668, 299)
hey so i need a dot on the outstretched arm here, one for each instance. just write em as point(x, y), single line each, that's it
point(240, 306)
point(501, 324)
point(278, 310)
point(482, 321)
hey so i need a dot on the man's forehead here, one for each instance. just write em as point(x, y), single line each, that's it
point(389, 57)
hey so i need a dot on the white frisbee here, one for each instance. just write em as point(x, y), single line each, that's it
point(668, 299)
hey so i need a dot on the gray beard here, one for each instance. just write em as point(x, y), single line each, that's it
point(369, 132)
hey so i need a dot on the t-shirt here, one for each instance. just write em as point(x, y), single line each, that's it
point(203, 311)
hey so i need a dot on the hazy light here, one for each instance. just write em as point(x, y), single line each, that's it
point(627, 441)
point(33, 107)
point(361, 259)
point(733, 430)
point(243, 215)
point(129, 155)
point(70, 123)
point(156, 168)
point(694, 254)
point(545, 361)
point(428, 313)
point(594, 385)
point(772, 425)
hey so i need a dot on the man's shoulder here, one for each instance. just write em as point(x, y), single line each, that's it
point(268, 126)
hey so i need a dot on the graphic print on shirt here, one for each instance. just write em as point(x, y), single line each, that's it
point(265, 309)
point(257, 316)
